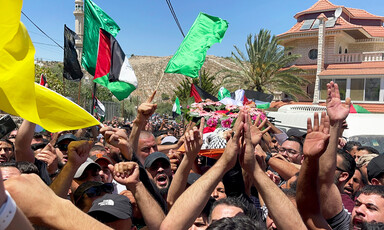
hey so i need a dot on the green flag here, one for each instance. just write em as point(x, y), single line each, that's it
point(189, 58)
point(94, 19)
point(263, 106)
point(223, 93)
point(176, 106)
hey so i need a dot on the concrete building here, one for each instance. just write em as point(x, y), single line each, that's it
point(349, 51)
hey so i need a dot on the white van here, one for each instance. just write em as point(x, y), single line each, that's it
point(366, 128)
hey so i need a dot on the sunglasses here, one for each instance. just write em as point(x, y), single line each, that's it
point(97, 191)
point(62, 147)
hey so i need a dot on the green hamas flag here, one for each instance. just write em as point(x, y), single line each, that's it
point(189, 58)
point(223, 93)
point(94, 19)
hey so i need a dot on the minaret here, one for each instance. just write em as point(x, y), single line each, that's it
point(320, 56)
point(79, 26)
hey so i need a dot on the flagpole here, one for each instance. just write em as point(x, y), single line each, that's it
point(78, 98)
point(161, 78)
point(93, 98)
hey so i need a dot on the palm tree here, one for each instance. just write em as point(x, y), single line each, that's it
point(264, 68)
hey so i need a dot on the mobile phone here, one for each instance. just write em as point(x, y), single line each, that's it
point(6, 125)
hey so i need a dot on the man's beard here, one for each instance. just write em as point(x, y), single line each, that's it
point(164, 191)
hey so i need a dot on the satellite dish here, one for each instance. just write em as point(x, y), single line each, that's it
point(338, 12)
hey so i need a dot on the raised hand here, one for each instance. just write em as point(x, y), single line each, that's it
point(78, 152)
point(255, 129)
point(114, 136)
point(146, 109)
point(335, 109)
point(229, 157)
point(194, 140)
point(126, 173)
point(247, 156)
point(317, 138)
point(48, 155)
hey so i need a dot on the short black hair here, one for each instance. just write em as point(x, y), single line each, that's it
point(9, 142)
point(348, 164)
point(239, 222)
point(97, 148)
point(241, 202)
point(350, 144)
point(372, 190)
point(26, 167)
point(295, 139)
point(369, 149)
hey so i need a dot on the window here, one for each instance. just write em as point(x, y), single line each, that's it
point(312, 54)
point(342, 88)
point(340, 50)
point(357, 89)
point(323, 88)
point(346, 51)
point(372, 89)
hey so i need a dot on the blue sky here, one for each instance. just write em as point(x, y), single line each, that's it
point(148, 28)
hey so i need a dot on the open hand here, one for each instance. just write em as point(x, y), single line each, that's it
point(317, 138)
point(247, 156)
point(255, 129)
point(337, 112)
point(194, 140)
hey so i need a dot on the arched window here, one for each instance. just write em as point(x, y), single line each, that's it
point(312, 54)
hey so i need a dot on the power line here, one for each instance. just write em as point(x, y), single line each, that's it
point(40, 43)
point(174, 16)
point(42, 30)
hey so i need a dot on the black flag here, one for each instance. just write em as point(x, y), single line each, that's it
point(72, 69)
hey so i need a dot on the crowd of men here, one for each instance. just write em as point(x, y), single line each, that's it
point(148, 174)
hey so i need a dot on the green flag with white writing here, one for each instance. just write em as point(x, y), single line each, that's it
point(189, 58)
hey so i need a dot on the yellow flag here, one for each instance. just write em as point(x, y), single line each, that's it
point(19, 94)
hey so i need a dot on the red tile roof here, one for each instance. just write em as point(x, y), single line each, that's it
point(325, 5)
point(364, 68)
point(358, 13)
point(321, 5)
point(341, 24)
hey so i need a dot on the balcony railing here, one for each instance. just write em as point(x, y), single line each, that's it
point(358, 57)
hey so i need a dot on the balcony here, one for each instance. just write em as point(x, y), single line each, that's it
point(357, 57)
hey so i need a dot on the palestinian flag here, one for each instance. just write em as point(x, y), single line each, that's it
point(199, 94)
point(358, 109)
point(43, 80)
point(99, 109)
point(112, 67)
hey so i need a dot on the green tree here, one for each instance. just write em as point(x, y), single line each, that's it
point(164, 97)
point(264, 67)
point(207, 82)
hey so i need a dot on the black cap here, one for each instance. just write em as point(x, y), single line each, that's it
point(154, 157)
point(84, 187)
point(111, 207)
point(192, 177)
point(295, 132)
point(67, 136)
point(375, 167)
